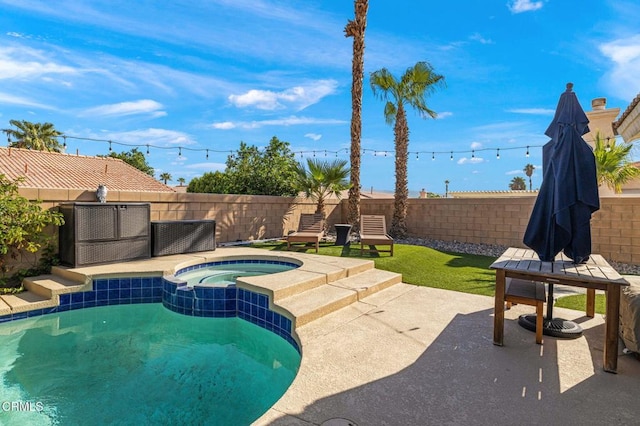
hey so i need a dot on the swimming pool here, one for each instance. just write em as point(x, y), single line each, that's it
point(140, 364)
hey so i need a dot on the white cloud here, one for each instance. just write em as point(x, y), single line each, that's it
point(298, 97)
point(624, 76)
point(514, 172)
point(6, 98)
point(476, 145)
point(143, 106)
point(28, 63)
point(532, 111)
point(443, 115)
point(474, 160)
point(519, 6)
point(224, 125)
point(142, 137)
point(313, 136)
point(480, 39)
point(287, 121)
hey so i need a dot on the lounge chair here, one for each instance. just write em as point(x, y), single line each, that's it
point(373, 232)
point(310, 230)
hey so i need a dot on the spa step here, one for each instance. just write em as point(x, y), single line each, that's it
point(319, 301)
point(51, 285)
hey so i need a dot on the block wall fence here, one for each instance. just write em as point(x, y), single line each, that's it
point(502, 221)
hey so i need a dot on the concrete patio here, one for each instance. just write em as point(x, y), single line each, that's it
point(417, 356)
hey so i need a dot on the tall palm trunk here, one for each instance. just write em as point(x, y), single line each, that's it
point(401, 132)
point(356, 29)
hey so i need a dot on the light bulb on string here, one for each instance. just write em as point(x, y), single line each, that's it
point(110, 149)
point(207, 154)
point(64, 143)
point(433, 156)
point(473, 153)
point(451, 156)
point(498, 154)
point(527, 151)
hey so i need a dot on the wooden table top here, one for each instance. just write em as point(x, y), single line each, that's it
point(526, 261)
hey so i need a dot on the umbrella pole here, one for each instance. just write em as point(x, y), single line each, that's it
point(550, 303)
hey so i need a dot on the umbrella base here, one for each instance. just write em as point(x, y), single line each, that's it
point(556, 327)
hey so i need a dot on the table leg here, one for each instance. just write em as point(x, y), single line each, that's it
point(498, 314)
point(591, 302)
point(612, 319)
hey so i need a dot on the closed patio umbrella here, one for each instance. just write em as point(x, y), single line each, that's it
point(561, 216)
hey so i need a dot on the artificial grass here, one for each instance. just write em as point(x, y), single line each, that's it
point(424, 266)
point(579, 302)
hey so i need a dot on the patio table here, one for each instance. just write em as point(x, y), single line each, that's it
point(595, 274)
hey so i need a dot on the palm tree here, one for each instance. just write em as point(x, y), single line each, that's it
point(517, 184)
point(528, 170)
point(322, 178)
point(181, 181)
point(415, 84)
point(38, 136)
point(356, 29)
point(613, 166)
point(446, 188)
point(165, 177)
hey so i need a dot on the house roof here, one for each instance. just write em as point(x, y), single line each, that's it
point(42, 169)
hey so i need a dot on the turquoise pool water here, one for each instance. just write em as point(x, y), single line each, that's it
point(226, 274)
point(140, 364)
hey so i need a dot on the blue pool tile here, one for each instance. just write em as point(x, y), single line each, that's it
point(114, 283)
point(269, 316)
point(101, 284)
point(125, 293)
point(102, 295)
point(230, 292)
point(19, 315)
point(136, 293)
point(5, 318)
point(263, 301)
point(125, 283)
point(230, 305)
point(77, 297)
point(262, 313)
point(35, 313)
point(156, 282)
point(78, 305)
point(90, 296)
point(114, 294)
point(254, 298)
point(147, 292)
point(286, 323)
point(102, 302)
point(65, 299)
point(136, 282)
point(218, 293)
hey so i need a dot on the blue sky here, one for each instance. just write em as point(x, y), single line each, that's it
point(196, 75)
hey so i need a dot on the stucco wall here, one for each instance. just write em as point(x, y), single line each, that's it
point(501, 221)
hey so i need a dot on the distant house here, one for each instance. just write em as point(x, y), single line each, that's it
point(50, 170)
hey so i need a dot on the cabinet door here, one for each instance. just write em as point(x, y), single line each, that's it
point(133, 220)
point(95, 223)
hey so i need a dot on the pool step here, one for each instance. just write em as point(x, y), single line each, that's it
point(26, 301)
point(50, 286)
point(317, 302)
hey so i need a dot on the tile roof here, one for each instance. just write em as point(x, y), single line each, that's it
point(42, 169)
point(627, 111)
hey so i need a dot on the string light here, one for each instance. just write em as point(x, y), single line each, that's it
point(302, 154)
point(64, 144)
point(608, 147)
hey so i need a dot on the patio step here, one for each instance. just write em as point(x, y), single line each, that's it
point(319, 301)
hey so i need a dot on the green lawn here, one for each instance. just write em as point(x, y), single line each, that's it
point(427, 267)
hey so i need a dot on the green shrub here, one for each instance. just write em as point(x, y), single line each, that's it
point(22, 223)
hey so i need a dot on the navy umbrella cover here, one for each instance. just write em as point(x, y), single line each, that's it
point(561, 216)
